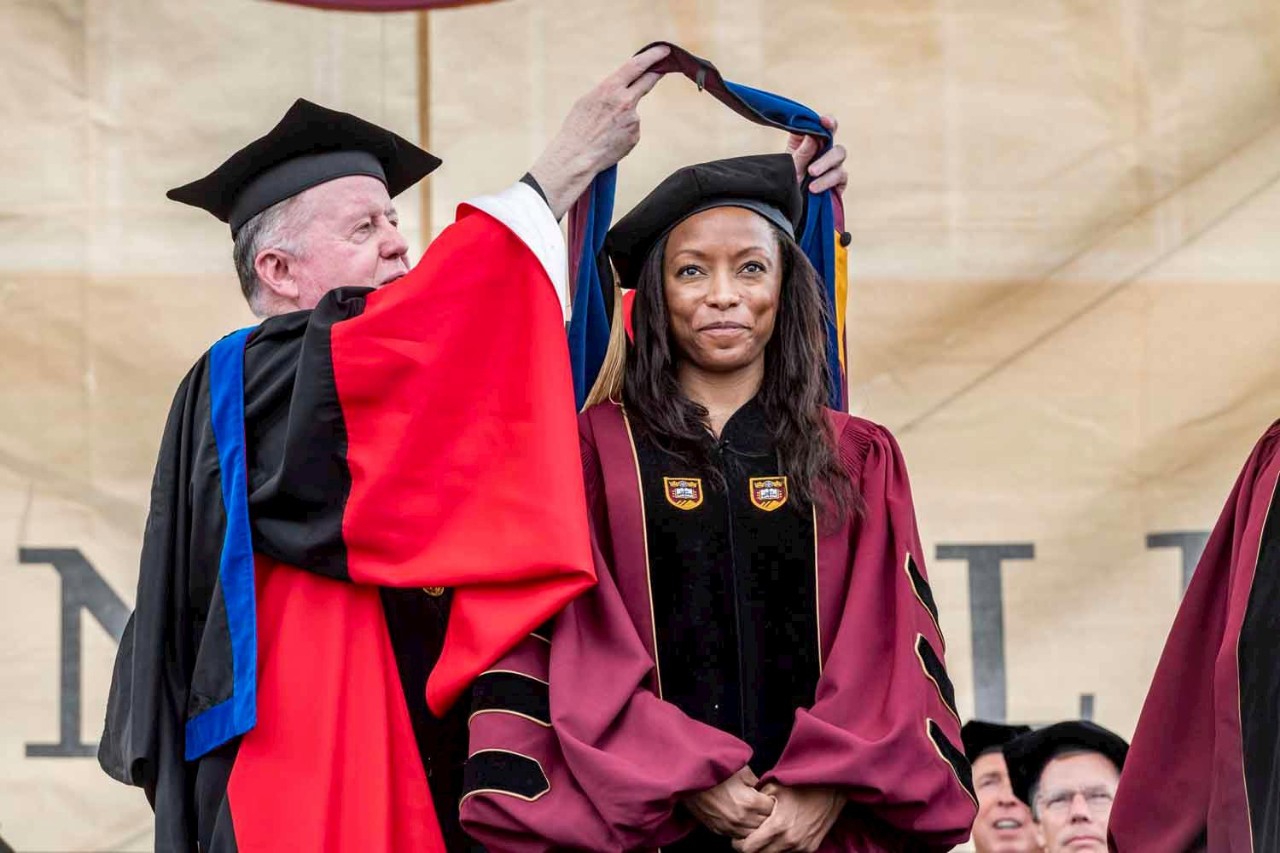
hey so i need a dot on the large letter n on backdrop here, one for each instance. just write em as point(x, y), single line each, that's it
point(82, 589)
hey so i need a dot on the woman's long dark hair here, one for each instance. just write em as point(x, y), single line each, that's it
point(793, 393)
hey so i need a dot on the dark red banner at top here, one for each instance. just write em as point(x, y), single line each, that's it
point(382, 5)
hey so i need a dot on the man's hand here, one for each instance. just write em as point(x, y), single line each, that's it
point(828, 170)
point(801, 819)
point(734, 807)
point(601, 128)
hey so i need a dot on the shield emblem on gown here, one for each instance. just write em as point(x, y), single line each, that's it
point(768, 493)
point(683, 492)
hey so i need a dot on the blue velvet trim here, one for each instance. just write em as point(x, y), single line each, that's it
point(236, 715)
point(589, 323)
point(817, 238)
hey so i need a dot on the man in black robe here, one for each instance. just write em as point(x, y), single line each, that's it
point(329, 485)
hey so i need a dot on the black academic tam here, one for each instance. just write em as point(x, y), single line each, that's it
point(764, 183)
point(1028, 755)
point(309, 146)
point(981, 737)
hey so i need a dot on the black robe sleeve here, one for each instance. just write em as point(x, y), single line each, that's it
point(142, 740)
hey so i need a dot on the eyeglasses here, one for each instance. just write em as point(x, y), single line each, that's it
point(1097, 799)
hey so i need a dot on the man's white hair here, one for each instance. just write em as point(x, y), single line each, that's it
point(277, 227)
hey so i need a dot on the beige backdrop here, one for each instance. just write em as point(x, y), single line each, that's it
point(1063, 297)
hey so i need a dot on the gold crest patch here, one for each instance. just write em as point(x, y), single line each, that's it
point(768, 493)
point(683, 492)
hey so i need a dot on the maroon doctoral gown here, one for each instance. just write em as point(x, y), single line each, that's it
point(1203, 771)
point(727, 628)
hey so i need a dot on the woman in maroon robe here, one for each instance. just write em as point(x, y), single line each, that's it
point(760, 666)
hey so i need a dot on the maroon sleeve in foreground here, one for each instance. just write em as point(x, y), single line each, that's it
point(636, 754)
point(554, 813)
point(1183, 783)
point(882, 727)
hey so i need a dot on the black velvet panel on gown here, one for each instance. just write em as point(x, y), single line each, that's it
point(734, 584)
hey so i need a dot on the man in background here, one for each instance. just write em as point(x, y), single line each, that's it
point(1004, 823)
point(1067, 773)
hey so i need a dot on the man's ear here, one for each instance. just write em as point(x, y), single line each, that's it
point(1041, 841)
point(275, 272)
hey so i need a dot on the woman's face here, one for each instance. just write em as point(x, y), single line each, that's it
point(722, 275)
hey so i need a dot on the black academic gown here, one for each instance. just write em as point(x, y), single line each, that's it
point(380, 449)
point(186, 500)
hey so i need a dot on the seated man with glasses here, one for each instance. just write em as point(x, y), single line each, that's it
point(1067, 773)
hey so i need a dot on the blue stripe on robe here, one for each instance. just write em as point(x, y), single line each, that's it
point(589, 323)
point(238, 713)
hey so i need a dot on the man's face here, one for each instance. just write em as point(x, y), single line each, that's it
point(348, 235)
point(1073, 803)
point(1004, 824)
